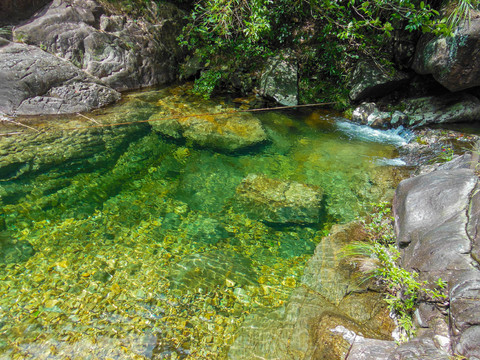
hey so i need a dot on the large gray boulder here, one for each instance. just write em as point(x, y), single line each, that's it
point(372, 80)
point(278, 201)
point(123, 53)
point(35, 82)
point(437, 217)
point(279, 79)
point(453, 61)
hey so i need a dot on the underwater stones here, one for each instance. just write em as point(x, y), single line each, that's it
point(279, 201)
point(206, 230)
point(231, 132)
point(308, 327)
point(12, 252)
point(33, 152)
point(211, 269)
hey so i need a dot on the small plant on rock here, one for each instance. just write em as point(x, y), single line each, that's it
point(379, 259)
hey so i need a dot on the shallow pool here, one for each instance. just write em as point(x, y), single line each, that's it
point(137, 247)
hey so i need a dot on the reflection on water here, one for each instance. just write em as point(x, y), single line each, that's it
point(138, 248)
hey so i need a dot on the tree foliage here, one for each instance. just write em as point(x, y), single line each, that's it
point(334, 32)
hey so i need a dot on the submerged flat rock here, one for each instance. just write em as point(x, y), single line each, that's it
point(279, 201)
point(229, 132)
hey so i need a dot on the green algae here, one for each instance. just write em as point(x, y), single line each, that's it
point(128, 251)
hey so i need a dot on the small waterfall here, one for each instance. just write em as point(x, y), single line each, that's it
point(397, 136)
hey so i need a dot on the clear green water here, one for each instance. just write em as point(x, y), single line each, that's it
point(140, 250)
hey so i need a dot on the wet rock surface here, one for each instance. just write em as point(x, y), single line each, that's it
point(277, 201)
point(221, 132)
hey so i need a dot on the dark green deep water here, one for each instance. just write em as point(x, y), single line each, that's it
point(135, 246)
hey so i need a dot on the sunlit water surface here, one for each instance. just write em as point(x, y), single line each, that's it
point(147, 256)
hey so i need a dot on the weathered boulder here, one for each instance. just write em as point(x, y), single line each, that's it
point(15, 10)
point(279, 80)
point(36, 82)
point(222, 132)
point(419, 348)
point(278, 201)
point(449, 108)
point(370, 349)
point(123, 53)
point(372, 80)
point(436, 223)
point(416, 212)
point(453, 61)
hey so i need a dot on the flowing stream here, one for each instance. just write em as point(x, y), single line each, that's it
point(122, 243)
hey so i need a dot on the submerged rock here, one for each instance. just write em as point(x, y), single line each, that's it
point(206, 230)
point(12, 252)
point(32, 152)
point(328, 272)
point(211, 269)
point(278, 201)
point(310, 326)
point(371, 80)
point(222, 132)
point(35, 82)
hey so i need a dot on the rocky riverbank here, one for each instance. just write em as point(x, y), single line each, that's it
point(74, 56)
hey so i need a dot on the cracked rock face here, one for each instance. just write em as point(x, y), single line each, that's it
point(35, 82)
point(279, 201)
point(122, 53)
